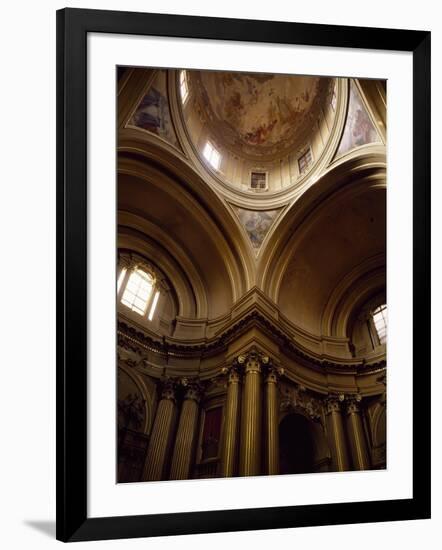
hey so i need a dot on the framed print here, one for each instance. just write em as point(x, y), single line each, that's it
point(243, 303)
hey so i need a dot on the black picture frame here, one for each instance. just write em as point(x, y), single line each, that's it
point(73, 25)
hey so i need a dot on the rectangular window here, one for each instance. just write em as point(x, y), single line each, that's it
point(137, 292)
point(212, 156)
point(305, 160)
point(258, 180)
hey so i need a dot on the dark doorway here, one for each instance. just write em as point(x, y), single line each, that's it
point(296, 446)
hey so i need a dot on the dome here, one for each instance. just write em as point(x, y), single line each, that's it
point(259, 116)
point(245, 123)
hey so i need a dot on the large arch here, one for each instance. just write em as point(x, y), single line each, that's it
point(165, 191)
point(330, 236)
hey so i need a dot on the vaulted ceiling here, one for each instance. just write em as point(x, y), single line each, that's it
point(306, 242)
point(259, 116)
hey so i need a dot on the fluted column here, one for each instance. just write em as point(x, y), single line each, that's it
point(336, 434)
point(272, 420)
point(161, 436)
point(184, 449)
point(231, 423)
point(356, 435)
point(251, 425)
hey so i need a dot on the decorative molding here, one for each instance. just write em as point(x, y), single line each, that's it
point(130, 336)
point(297, 397)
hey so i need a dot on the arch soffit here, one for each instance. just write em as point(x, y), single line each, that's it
point(139, 235)
point(221, 279)
point(358, 286)
point(352, 176)
point(177, 169)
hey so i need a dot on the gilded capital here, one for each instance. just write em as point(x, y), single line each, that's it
point(233, 377)
point(253, 364)
point(352, 403)
point(193, 389)
point(333, 403)
point(168, 389)
point(274, 373)
point(253, 361)
point(232, 372)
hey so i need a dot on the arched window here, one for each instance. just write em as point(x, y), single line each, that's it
point(368, 328)
point(379, 316)
point(140, 293)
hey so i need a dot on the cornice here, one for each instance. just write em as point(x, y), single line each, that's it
point(254, 317)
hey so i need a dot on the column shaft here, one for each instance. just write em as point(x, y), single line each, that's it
point(356, 436)
point(250, 452)
point(231, 424)
point(160, 440)
point(336, 433)
point(183, 453)
point(272, 425)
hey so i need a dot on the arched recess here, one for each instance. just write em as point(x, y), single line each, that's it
point(146, 395)
point(137, 234)
point(303, 445)
point(366, 280)
point(163, 189)
point(338, 224)
point(377, 415)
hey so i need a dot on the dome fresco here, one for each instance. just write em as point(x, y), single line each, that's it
point(259, 116)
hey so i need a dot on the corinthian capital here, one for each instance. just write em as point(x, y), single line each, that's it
point(333, 402)
point(193, 388)
point(352, 403)
point(253, 361)
point(168, 389)
point(274, 373)
point(232, 373)
point(252, 364)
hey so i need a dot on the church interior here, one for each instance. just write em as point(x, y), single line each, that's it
point(251, 274)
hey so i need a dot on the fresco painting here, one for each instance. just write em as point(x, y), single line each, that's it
point(257, 224)
point(259, 114)
point(153, 114)
point(359, 129)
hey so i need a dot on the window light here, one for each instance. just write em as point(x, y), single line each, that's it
point(121, 278)
point(380, 322)
point(212, 156)
point(184, 86)
point(138, 291)
point(154, 305)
